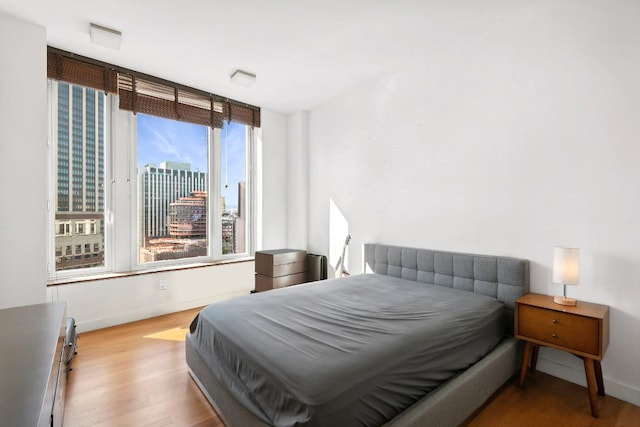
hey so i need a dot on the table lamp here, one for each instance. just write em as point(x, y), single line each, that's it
point(566, 270)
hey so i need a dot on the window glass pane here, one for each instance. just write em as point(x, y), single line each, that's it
point(233, 155)
point(79, 114)
point(172, 189)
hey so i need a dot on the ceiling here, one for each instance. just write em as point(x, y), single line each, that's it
point(304, 53)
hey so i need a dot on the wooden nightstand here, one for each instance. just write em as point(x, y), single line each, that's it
point(582, 330)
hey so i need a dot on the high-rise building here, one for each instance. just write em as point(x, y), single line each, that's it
point(241, 220)
point(228, 233)
point(188, 217)
point(234, 225)
point(79, 217)
point(187, 231)
point(158, 187)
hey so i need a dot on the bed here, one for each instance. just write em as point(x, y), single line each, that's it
point(424, 338)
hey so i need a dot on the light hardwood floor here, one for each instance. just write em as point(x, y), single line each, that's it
point(123, 377)
point(136, 375)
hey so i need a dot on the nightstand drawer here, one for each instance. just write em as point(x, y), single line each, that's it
point(569, 331)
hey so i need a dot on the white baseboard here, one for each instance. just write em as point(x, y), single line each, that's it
point(119, 319)
point(615, 389)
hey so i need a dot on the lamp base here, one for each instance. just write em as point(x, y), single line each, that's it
point(565, 301)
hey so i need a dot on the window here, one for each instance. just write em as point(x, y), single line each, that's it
point(78, 151)
point(234, 188)
point(178, 168)
point(63, 228)
point(173, 164)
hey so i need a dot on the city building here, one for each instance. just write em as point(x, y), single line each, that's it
point(187, 231)
point(79, 216)
point(234, 224)
point(241, 220)
point(171, 190)
point(166, 248)
point(158, 187)
point(171, 197)
point(228, 233)
point(188, 217)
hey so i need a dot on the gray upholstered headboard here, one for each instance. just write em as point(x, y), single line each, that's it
point(503, 278)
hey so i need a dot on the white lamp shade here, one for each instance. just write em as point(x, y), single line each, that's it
point(566, 265)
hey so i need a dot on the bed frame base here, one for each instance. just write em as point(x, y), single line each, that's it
point(459, 398)
point(228, 408)
point(447, 406)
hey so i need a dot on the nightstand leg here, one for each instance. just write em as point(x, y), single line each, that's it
point(534, 358)
point(591, 385)
point(525, 363)
point(598, 368)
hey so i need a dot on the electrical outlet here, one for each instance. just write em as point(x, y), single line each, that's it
point(162, 285)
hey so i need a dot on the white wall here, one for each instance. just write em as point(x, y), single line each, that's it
point(23, 162)
point(285, 179)
point(103, 303)
point(273, 170)
point(298, 180)
point(507, 142)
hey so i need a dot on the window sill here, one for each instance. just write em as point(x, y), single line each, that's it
point(106, 276)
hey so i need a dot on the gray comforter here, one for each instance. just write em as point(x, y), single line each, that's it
point(353, 351)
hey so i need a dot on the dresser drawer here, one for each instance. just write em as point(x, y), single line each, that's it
point(266, 283)
point(565, 330)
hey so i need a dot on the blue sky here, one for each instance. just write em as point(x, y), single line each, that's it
point(162, 140)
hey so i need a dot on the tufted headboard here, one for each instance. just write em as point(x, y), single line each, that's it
point(503, 278)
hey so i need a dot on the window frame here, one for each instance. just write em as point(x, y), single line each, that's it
point(135, 264)
point(250, 180)
point(52, 144)
point(120, 188)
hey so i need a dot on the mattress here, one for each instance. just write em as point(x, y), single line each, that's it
point(351, 351)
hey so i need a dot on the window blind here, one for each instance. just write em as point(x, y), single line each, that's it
point(72, 70)
point(141, 93)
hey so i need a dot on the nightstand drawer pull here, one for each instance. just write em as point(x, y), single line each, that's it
point(554, 335)
point(554, 321)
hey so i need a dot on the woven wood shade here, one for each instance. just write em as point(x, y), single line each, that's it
point(71, 70)
point(145, 94)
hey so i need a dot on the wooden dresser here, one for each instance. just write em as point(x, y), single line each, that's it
point(33, 373)
point(582, 330)
point(279, 268)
